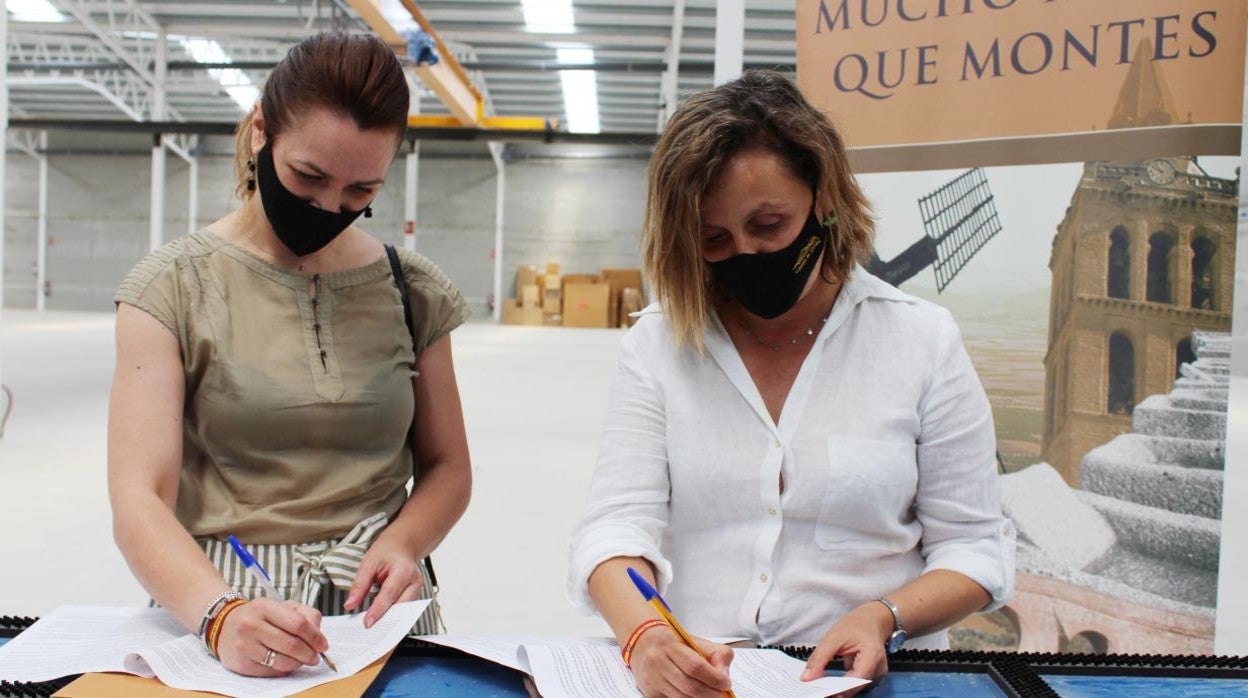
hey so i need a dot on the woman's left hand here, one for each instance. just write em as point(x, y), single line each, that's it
point(858, 637)
point(391, 567)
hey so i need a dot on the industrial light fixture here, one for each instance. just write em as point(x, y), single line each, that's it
point(34, 11)
point(580, 90)
point(236, 83)
point(548, 16)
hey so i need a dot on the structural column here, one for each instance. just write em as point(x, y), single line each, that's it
point(500, 207)
point(156, 233)
point(192, 203)
point(411, 196)
point(41, 236)
point(670, 83)
point(729, 40)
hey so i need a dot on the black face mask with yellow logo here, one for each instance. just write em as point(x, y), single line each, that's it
point(769, 284)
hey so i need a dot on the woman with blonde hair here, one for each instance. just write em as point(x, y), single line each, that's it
point(796, 451)
point(267, 381)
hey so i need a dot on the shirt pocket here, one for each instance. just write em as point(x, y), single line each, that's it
point(868, 496)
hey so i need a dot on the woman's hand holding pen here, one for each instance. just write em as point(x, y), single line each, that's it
point(664, 666)
point(858, 637)
point(391, 566)
point(290, 630)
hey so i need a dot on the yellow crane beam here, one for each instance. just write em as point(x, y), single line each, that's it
point(446, 78)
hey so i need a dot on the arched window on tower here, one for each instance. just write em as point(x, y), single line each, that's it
point(1203, 251)
point(1118, 280)
point(1159, 247)
point(1121, 374)
point(1183, 354)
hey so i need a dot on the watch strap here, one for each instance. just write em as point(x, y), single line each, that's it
point(892, 607)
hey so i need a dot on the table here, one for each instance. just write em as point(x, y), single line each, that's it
point(430, 671)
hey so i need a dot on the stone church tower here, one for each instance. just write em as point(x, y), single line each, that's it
point(1144, 256)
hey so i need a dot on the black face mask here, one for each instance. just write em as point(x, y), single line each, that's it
point(302, 227)
point(769, 284)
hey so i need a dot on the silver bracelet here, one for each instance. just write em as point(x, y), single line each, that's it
point(214, 607)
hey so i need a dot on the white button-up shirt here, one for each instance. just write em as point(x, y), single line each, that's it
point(886, 449)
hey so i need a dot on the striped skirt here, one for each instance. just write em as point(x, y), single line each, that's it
point(316, 574)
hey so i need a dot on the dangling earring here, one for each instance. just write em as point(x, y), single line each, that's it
point(251, 178)
point(368, 211)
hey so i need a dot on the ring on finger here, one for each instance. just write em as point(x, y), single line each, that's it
point(270, 659)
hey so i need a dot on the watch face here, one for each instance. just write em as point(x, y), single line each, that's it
point(1161, 171)
point(896, 640)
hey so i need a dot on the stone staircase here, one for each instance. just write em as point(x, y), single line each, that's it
point(1160, 487)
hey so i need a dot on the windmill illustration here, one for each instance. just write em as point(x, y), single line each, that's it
point(959, 218)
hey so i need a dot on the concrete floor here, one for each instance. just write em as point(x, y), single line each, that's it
point(534, 400)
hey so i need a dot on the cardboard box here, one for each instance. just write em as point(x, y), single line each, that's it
point(552, 320)
point(552, 296)
point(582, 279)
point(618, 280)
point(512, 312)
point(532, 316)
point(552, 268)
point(526, 275)
point(530, 297)
point(585, 305)
point(631, 301)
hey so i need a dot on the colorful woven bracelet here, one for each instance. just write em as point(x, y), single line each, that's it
point(214, 630)
point(214, 608)
point(627, 650)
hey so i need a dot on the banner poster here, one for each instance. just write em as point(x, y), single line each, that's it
point(1063, 176)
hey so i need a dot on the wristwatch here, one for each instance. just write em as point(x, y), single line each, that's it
point(898, 637)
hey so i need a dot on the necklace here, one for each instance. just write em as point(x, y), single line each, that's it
point(810, 331)
point(299, 261)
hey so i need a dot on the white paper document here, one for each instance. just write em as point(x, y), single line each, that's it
point(565, 667)
point(507, 650)
point(149, 642)
point(81, 639)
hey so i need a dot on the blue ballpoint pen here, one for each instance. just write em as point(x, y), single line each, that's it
point(255, 570)
point(651, 595)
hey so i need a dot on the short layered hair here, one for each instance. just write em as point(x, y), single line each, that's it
point(761, 109)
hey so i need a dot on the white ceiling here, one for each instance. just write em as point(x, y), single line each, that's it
point(99, 63)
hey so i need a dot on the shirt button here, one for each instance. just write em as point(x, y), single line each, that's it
point(776, 444)
point(762, 577)
point(771, 511)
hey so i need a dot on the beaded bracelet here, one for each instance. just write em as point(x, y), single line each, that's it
point(627, 650)
point(214, 628)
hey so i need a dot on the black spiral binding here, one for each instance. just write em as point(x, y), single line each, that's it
point(1019, 673)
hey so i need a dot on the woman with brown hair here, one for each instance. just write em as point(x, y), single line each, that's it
point(796, 451)
point(266, 381)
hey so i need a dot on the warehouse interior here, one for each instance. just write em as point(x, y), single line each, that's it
point(529, 194)
point(565, 198)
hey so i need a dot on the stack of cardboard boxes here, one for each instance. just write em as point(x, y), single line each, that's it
point(574, 300)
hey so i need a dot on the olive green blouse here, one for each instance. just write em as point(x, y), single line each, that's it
point(298, 387)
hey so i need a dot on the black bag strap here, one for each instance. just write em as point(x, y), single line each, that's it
point(397, 270)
